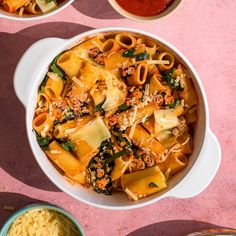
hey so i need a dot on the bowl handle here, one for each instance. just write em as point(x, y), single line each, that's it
point(203, 172)
point(30, 65)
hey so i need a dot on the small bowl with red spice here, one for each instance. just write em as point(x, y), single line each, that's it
point(144, 10)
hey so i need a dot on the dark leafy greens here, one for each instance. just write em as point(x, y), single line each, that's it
point(123, 107)
point(68, 146)
point(43, 142)
point(98, 107)
point(138, 57)
point(153, 185)
point(171, 81)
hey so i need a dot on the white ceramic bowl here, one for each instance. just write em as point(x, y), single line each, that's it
point(203, 164)
point(131, 16)
point(30, 17)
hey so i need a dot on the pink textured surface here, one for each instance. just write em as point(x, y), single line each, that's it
point(205, 32)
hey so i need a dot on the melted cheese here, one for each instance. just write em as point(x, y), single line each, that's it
point(94, 133)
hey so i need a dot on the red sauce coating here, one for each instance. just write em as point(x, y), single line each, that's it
point(145, 7)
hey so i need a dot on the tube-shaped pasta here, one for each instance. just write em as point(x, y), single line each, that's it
point(84, 151)
point(42, 124)
point(150, 45)
point(140, 75)
point(166, 56)
point(110, 45)
point(98, 95)
point(42, 98)
point(149, 144)
point(116, 60)
point(179, 109)
point(32, 8)
point(149, 125)
point(89, 75)
point(156, 86)
point(175, 162)
point(143, 183)
point(63, 130)
point(125, 40)
point(54, 85)
point(127, 118)
point(42, 102)
point(70, 63)
point(189, 94)
point(13, 5)
point(191, 115)
point(164, 137)
point(68, 128)
point(186, 142)
point(121, 165)
point(66, 161)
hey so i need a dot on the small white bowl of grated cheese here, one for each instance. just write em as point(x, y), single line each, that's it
point(42, 219)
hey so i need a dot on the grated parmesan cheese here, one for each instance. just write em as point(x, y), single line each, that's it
point(43, 222)
point(55, 151)
point(69, 131)
point(78, 82)
point(131, 194)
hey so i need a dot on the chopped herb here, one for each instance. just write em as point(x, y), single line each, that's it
point(98, 107)
point(123, 139)
point(117, 155)
point(56, 122)
point(42, 89)
point(43, 142)
point(123, 107)
point(168, 76)
point(141, 56)
point(173, 82)
point(138, 57)
point(68, 146)
point(129, 52)
point(175, 103)
point(107, 143)
point(153, 185)
point(56, 69)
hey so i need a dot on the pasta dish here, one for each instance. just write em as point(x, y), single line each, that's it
point(33, 7)
point(117, 113)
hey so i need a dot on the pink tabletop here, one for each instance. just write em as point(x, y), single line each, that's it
point(205, 31)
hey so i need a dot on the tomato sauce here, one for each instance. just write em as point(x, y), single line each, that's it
point(145, 7)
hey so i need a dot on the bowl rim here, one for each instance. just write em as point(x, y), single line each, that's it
point(10, 16)
point(73, 41)
point(145, 19)
point(6, 226)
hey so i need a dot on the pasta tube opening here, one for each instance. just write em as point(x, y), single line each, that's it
point(110, 46)
point(140, 75)
point(125, 40)
point(166, 56)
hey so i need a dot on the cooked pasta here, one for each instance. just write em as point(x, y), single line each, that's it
point(117, 112)
point(29, 7)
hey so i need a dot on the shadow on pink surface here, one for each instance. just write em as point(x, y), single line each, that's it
point(14, 200)
point(99, 9)
point(175, 228)
point(16, 156)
